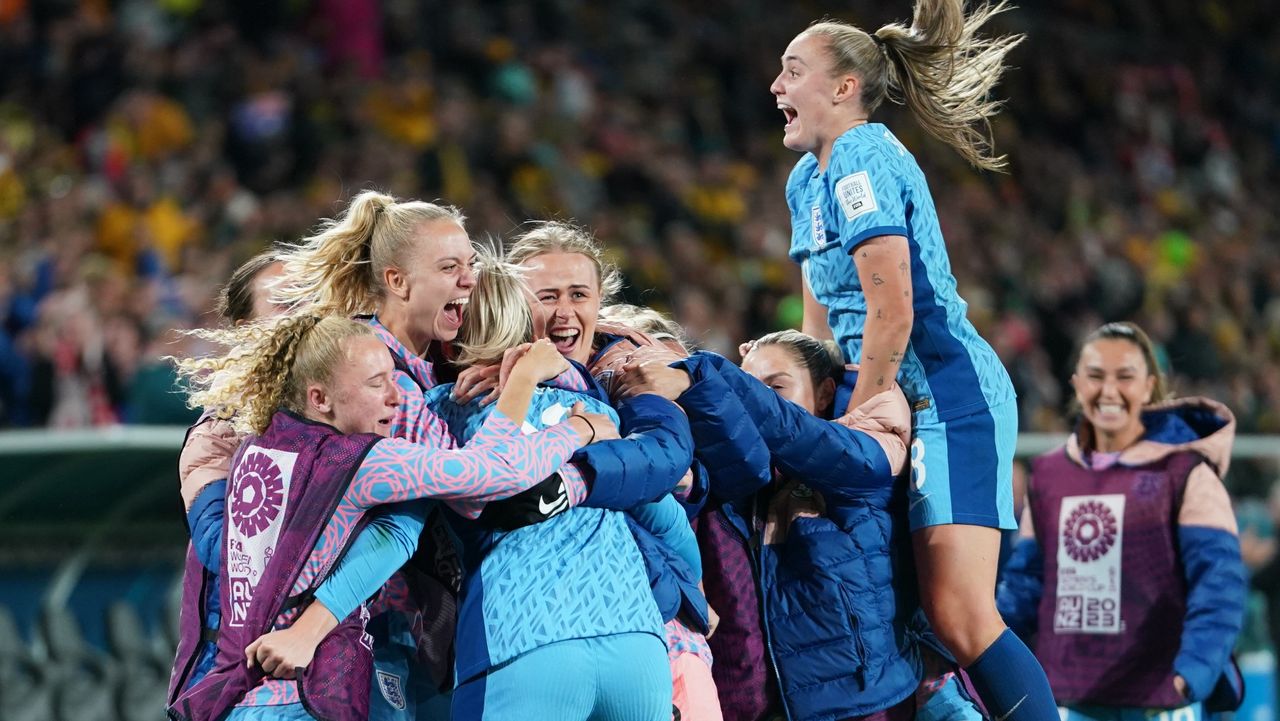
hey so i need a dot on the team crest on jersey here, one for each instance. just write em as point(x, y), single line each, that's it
point(819, 229)
point(392, 690)
point(855, 195)
point(1149, 484)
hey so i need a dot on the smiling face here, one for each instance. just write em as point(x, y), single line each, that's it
point(805, 91)
point(781, 370)
point(566, 301)
point(1112, 384)
point(361, 395)
point(437, 282)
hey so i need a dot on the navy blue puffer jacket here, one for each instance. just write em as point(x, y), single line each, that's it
point(834, 610)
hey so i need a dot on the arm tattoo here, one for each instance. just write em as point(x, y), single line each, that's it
point(880, 381)
point(879, 313)
point(903, 266)
point(895, 356)
point(875, 278)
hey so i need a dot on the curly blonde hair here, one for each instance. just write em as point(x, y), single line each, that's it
point(339, 270)
point(269, 366)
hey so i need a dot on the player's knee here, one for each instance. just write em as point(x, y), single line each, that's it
point(966, 624)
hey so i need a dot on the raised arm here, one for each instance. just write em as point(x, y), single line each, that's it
point(646, 463)
point(725, 437)
point(838, 460)
point(496, 464)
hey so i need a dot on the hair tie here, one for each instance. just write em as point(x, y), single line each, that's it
point(880, 43)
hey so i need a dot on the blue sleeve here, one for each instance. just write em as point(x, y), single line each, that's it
point(1215, 579)
point(655, 451)
point(667, 521)
point(204, 520)
point(865, 195)
point(727, 443)
point(1021, 587)
point(386, 543)
point(841, 462)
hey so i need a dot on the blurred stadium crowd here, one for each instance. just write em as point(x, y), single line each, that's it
point(147, 146)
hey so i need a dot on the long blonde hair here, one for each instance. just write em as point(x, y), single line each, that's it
point(339, 269)
point(269, 366)
point(498, 315)
point(939, 68)
point(555, 236)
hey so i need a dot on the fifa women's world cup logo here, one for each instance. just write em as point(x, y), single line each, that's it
point(1089, 531)
point(256, 502)
point(258, 495)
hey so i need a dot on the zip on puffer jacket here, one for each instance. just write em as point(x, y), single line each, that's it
point(834, 612)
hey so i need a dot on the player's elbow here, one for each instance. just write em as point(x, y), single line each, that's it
point(898, 320)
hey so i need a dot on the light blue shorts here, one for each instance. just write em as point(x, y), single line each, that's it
point(624, 677)
point(962, 470)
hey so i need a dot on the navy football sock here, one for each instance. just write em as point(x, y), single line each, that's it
point(1010, 682)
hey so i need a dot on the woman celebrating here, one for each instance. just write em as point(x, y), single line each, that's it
point(1142, 591)
point(319, 395)
point(831, 607)
point(407, 269)
point(570, 281)
point(557, 619)
point(202, 472)
point(877, 279)
point(538, 600)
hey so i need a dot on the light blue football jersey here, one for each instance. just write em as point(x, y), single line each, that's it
point(874, 187)
point(576, 575)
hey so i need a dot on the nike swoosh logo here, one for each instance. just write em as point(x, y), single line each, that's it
point(558, 504)
point(917, 501)
point(1015, 708)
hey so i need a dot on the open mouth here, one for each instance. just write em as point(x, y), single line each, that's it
point(384, 426)
point(565, 339)
point(788, 112)
point(453, 312)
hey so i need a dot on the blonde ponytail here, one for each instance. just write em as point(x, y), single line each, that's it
point(339, 269)
point(939, 68)
point(269, 366)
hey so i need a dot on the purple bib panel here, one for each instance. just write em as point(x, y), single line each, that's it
point(1114, 594)
point(283, 489)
